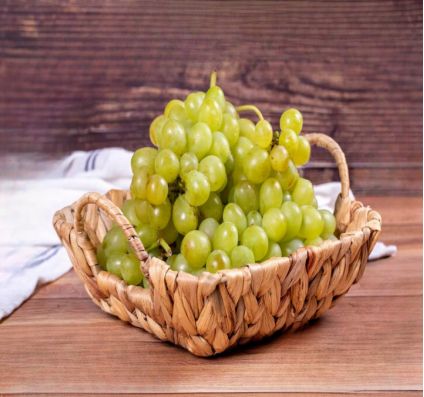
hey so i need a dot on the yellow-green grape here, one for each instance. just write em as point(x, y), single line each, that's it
point(225, 237)
point(255, 238)
point(167, 165)
point(289, 177)
point(180, 264)
point(293, 215)
point(279, 157)
point(274, 251)
point(230, 109)
point(238, 175)
point(329, 224)
point(241, 149)
point(246, 196)
point(129, 210)
point(254, 218)
point(242, 256)
point(148, 235)
point(274, 223)
point(171, 260)
point(157, 190)
point(199, 140)
point(196, 248)
point(213, 168)
point(175, 110)
point(173, 137)
point(289, 139)
point(303, 152)
point(114, 262)
point(234, 214)
point(317, 241)
point(159, 215)
point(144, 157)
point(169, 233)
point(303, 192)
point(230, 128)
point(209, 226)
point(210, 113)
point(229, 164)
point(197, 188)
point(257, 165)
point(247, 128)
point(270, 195)
point(184, 216)
point(312, 223)
point(213, 207)
point(139, 183)
point(220, 146)
point(192, 104)
point(142, 209)
point(292, 119)
point(263, 134)
point(115, 241)
point(287, 248)
point(155, 252)
point(156, 128)
point(215, 93)
point(287, 197)
point(101, 257)
point(218, 260)
point(188, 162)
point(130, 270)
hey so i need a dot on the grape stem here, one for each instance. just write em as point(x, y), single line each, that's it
point(213, 79)
point(252, 108)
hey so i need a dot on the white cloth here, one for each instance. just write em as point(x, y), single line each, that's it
point(30, 253)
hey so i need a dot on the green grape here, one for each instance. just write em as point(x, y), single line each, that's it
point(115, 240)
point(238, 174)
point(160, 215)
point(142, 209)
point(180, 264)
point(157, 190)
point(101, 257)
point(274, 223)
point(246, 196)
point(139, 183)
point(287, 197)
point(175, 110)
point(279, 157)
point(274, 251)
point(329, 223)
point(242, 256)
point(289, 177)
point(303, 192)
point(289, 139)
point(220, 146)
point(255, 238)
point(247, 128)
point(234, 214)
point(167, 165)
point(130, 270)
point(196, 248)
point(213, 168)
point(184, 216)
point(254, 218)
point(230, 109)
point(171, 260)
point(263, 134)
point(192, 104)
point(155, 252)
point(144, 157)
point(218, 260)
point(210, 113)
point(229, 164)
point(114, 262)
point(303, 152)
point(156, 128)
point(188, 162)
point(292, 119)
point(312, 223)
point(257, 165)
point(129, 210)
point(270, 195)
point(293, 215)
point(145, 283)
point(148, 235)
point(213, 207)
point(289, 247)
point(215, 93)
point(199, 140)
point(225, 237)
point(173, 137)
point(197, 188)
point(241, 149)
point(317, 241)
point(230, 128)
point(169, 233)
point(209, 226)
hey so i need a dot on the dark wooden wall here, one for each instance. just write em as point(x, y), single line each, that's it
point(85, 74)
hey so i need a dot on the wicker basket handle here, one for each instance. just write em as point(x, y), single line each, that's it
point(342, 209)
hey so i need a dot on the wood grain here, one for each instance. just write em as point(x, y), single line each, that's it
point(87, 74)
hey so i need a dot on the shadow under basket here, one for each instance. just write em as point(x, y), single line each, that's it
point(214, 312)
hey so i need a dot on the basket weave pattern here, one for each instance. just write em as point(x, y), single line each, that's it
point(213, 312)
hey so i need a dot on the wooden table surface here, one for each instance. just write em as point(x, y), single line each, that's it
point(370, 343)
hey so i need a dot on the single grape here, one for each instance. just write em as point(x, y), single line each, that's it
point(175, 110)
point(215, 93)
point(129, 210)
point(289, 177)
point(130, 270)
point(199, 140)
point(274, 251)
point(167, 165)
point(293, 216)
point(144, 157)
point(292, 119)
point(220, 146)
point(255, 238)
point(257, 165)
point(329, 224)
point(148, 235)
point(303, 192)
point(101, 257)
point(180, 264)
point(160, 215)
point(230, 128)
point(242, 256)
point(289, 139)
point(155, 252)
point(157, 190)
point(142, 209)
point(254, 218)
point(213, 168)
point(218, 260)
point(246, 196)
point(241, 149)
point(115, 240)
point(279, 157)
point(188, 162)
point(196, 248)
point(213, 207)
point(184, 216)
point(274, 223)
point(270, 195)
point(114, 262)
point(156, 128)
point(303, 152)
point(287, 197)
point(173, 137)
point(247, 128)
point(287, 248)
point(225, 237)
point(169, 233)
point(210, 113)
point(171, 260)
point(192, 104)
point(234, 214)
point(209, 226)
point(263, 134)
point(317, 241)
point(230, 109)
point(139, 183)
point(312, 223)
point(197, 188)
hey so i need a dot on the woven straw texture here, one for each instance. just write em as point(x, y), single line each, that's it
point(213, 312)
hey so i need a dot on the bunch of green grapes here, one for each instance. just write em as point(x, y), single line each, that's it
point(218, 191)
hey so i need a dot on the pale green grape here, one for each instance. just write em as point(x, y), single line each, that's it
point(157, 190)
point(292, 119)
point(317, 241)
point(213, 168)
point(160, 215)
point(169, 233)
point(287, 248)
point(242, 256)
point(254, 218)
point(167, 165)
point(257, 165)
point(287, 197)
point(289, 177)
point(220, 146)
point(139, 183)
point(230, 109)
point(246, 196)
point(197, 188)
point(230, 128)
point(114, 262)
point(210, 113)
point(274, 251)
point(156, 128)
point(234, 214)
point(312, 223)
point(196, 248)
point(225, 237)
point(241, 149)
point(148, 235)
point(171, 260)
point(115, 240)
point(155, 252)
point(279, 157)
point(213, 207)
point(247, 128)
point(215, 93)
point(144, 157)
point(184, 216)
point(255, 238)
point(175, 110)
point(130, 270)
point(289, 139)
point(188, 162)
point(101, 257)
point(303, 192)
point(293, 216)
point(263, 134)
point(274, 223)
point(270, 195)
point(142, 209)
point(209, 226)
point(129, 210)
point(173, 137)
point(180, 264)
point(303, 152)
point(199, 140)
point(192, 104)
point(218, 260)
point(229, 164)
point(329, 223)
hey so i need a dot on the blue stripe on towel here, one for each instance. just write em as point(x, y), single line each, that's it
point(87, 161)
point(93, 160)
point(43, 256)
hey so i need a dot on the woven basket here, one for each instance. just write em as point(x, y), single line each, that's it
point(213, 312)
